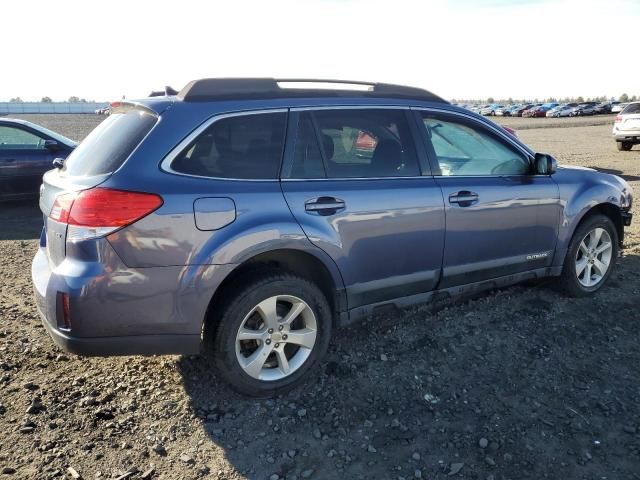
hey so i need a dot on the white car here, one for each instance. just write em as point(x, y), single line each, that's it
point(501, 111)
point(618, 107)
point(562, 111)
point(490, 109)
point(626, 128)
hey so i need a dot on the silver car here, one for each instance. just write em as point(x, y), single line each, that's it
point(626, 128)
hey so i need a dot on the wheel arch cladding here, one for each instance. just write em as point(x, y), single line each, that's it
point(608, 210)
point(298, 262)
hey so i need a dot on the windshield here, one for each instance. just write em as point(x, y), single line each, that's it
point(107, 147)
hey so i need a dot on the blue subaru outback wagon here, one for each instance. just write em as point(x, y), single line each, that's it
point(248, 218)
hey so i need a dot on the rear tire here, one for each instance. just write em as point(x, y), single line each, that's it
point(271, 334)
point(624, 146)
point(591, 257)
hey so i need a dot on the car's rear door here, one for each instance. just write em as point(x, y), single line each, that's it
point(501, 218)
point(353, 182)
point(23, 160)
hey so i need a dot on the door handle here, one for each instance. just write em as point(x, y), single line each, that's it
point(324, 205)
point(463, 198)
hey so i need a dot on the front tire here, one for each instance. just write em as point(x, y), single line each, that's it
point(624, 146)
point(591, 256)
point(272, 334)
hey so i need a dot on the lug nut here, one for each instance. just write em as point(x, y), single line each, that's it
point(277, 345)
point(267, 341)
point(284, 337)
point(271, 330)
point(280, 327)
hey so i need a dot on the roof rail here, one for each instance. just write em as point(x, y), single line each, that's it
point(208, 89)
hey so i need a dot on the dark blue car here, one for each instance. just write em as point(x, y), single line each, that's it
point(250, 218)
point(27, 151)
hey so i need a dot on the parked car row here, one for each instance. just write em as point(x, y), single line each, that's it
point(626, 127)
point(549, 109)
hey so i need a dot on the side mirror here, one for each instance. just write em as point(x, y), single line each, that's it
point(545, 164)
point(52, 145)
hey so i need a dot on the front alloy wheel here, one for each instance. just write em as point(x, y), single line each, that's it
point(593, 257)
point(590, 257)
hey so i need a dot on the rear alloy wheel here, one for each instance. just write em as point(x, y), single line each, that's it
point(271, 334)
point(624, 146)
point(591, 256)
point(276, 337)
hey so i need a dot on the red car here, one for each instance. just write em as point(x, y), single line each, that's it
point(531, 111)
point(539, 112)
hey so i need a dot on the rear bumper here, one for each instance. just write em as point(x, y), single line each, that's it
point(627, 136)
point(128, 345)
point(154, 315)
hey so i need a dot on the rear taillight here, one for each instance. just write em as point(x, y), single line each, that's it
point(618, 118)
point(99, 211)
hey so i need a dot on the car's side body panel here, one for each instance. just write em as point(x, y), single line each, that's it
point(510, 229)
point(387, 242)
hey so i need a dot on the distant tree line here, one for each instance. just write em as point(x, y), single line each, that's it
point(622, 98)
point(72, 99)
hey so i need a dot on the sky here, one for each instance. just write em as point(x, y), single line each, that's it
point(461, 49)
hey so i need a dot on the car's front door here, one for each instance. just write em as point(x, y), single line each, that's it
point(23, 160)
point(501, 218)
point(354, 184)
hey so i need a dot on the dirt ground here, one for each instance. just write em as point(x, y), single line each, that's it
point(521, 383)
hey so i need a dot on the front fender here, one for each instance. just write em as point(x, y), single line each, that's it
point(582, 190)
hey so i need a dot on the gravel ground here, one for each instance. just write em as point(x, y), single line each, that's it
point(520, 383)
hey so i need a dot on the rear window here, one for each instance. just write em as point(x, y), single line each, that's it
point(237, 147)
point(107, 147)
point(632, 108)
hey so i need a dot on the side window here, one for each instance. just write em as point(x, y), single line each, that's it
point(244, 146)
point(17, 139)
point(354, 143)
point(465, 150)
